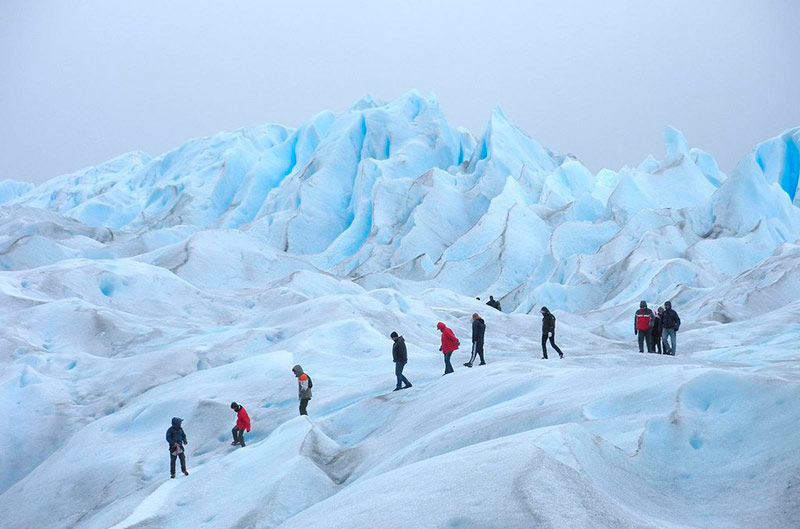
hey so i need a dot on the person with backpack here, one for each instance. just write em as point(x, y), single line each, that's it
point(670, 324)
point(478, 330)
point(449, 344)
point(176, 440)
point(643, 326)
point(242, 424)
point(304, 385)
point(400, 358)
point(494, 303)
point(549, 332)
point(657, 329)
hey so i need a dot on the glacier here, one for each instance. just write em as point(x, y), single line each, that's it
point(151, 287)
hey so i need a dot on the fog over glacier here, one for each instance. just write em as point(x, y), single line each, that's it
point(146, 288)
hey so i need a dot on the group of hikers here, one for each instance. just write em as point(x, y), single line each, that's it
point(176, 437)
point(656, 329)
point(649, 327)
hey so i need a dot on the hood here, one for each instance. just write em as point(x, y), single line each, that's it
point(297, 370)
point(643, 305)
point(480, 320)
point(176, 422)
point(668, 304)
point(441, 326)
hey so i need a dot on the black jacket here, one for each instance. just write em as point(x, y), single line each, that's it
point(494, 304)
point(657, 324)
point(478, 329)
point(670, 320)
point(176, 435)
point(399, 353)
point(548, 324)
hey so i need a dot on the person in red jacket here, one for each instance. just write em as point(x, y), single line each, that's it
point(449, 344)
point(242, 424)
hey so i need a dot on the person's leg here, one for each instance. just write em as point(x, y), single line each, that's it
point(183, 463)
point(172, 459)
point(544, 346)
point(672, 338)
point(648, 336)
point(398, 373)
point(640, 338)
point(468, 363)
point(553, 343)
point(480, 352)
point(235, 440)
point(403, 378)
point(241, 436)
point(448, 367)
point(657, 343)
point(303, 406)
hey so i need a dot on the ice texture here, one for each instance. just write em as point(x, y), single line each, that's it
point(152, 287)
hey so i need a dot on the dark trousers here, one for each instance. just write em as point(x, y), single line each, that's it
point(172, 459)
point(656, 342)
point(398, 371)
point(448, 367)
point(238, 435)
point(552, 342)
point(304, 406)
point(477, 350)
point(645, 336)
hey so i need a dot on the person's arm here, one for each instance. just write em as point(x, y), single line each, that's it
point(635, 314)
point(677, 321)
point(183, 435)
point(652, 320)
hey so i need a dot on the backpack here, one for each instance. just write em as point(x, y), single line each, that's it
point(642, 321)
point(310, 383)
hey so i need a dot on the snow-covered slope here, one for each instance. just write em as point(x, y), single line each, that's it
point(147, 288)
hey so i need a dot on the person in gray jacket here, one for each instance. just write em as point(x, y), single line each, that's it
point(304, 385)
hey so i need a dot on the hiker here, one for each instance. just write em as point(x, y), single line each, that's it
point(400, 358)
point(478, 330)
point(549, 332)
point(643, 326)
point(449, 344)
point(304, 385)
point(657, 329)
point(670, 323)
point(242, 424)
point(494, 303)
point(176, 439)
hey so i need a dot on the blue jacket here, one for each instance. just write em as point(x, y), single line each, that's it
point(175, 433)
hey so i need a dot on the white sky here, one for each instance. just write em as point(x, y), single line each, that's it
point(84, 81)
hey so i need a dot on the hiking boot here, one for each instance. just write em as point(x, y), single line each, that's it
point(560, 355)
point(397, 389)
point(544, 358)
point(172, 476)
point(407, 386)
point(482, 364)
point(467, 364)
point(185, 473)
point(234, 443)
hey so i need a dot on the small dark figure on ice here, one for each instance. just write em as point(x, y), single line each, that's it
point(304, 385)
point(643, 322)
point(449, 344)
point(176, 439)
point(478, 331)
point(400, 358)
point(494, 303)
point(549, 332)
point(242, 424)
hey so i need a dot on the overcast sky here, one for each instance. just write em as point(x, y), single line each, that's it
point(84, 81)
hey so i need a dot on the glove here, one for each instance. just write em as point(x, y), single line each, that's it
point(440, 347)
point(549, 335)
point(185, 443)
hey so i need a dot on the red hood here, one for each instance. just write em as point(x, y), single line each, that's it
point(441, 326)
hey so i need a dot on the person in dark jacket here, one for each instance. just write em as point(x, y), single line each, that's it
point(657, 328)
point(400, 359)
point(643, 326)
point(549, 332)
point(242, 424)
point(449, 344)
point(478, 330)
point(494, 303)
point(176, 440)
point(670, 324)
point(304, 385)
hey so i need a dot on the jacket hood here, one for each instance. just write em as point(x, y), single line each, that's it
point(297, 370)
point(441, 326)
point(642, 304)
point(176, 422)
point(668, 304)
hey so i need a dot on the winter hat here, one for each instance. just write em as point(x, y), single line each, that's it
point(393, 335)
point(176, 422)
point(668, 304)
point(234, 406)
point(643, 304)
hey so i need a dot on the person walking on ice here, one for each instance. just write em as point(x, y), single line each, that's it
point(242, 424)
point(670, 323)
point(643, 325)
point(176, 439)
point(304, 385)
point(549, 332)
point(400, 359)
point(449, 344)
point(478, 330)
